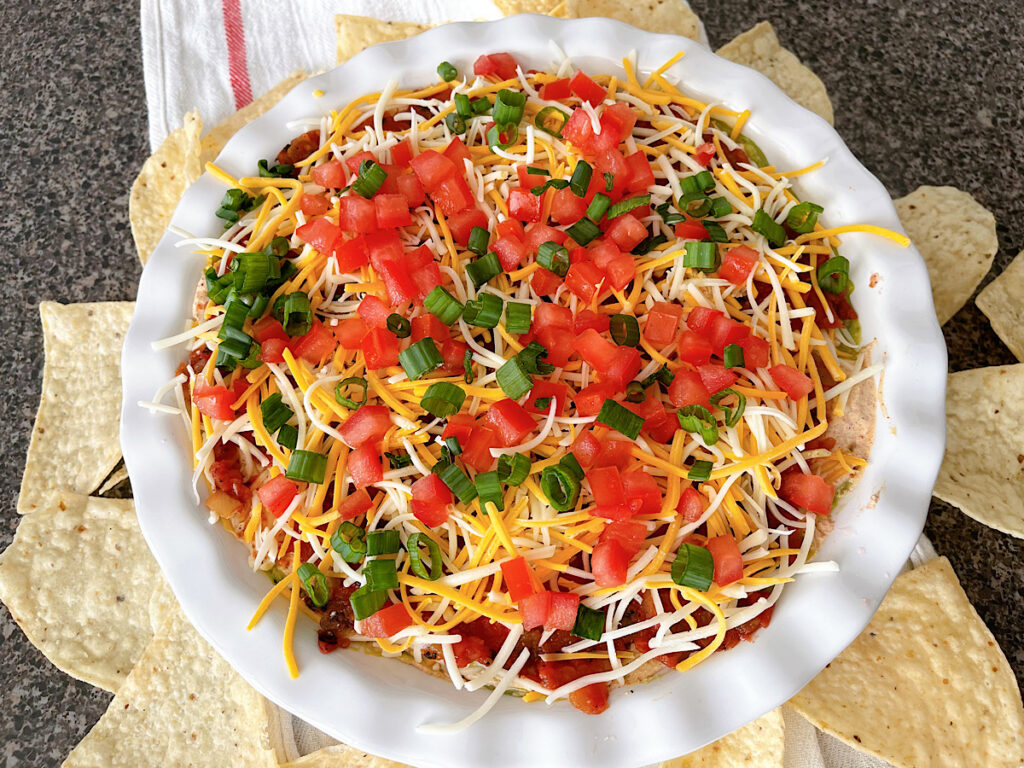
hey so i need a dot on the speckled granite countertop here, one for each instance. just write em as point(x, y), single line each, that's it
point(926, 93)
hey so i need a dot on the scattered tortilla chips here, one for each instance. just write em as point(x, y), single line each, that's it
point(670, 17)
point(162, 605)
point(512, 7)
point(114, 479)
point(342, 756)
point(925, 685)
point(160, 184)
point(1002, 301)
point(957, 238)
point(758, 744)
point(983, 471)
point(77, 579)
point(74, 441)
point(182, 705)
point(356, 33)
point(759, 48)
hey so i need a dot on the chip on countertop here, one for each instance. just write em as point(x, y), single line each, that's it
point(78, 578)
point(342, 756)
point(758, 744)
point(74, 441)
point(356, 33)
point(671, 17)
point(925, 685)
point(1002, 301)
point(956, 235)
point(983, 469)
point(759, 48)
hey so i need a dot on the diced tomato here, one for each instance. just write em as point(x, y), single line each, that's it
point(355, 504)
point(277, 494)
point(590, 399)
point(387, 621)
point(410, 188)
point(548, 315)
point(453, 354)
point(728, 562)
point(737, 264)
point(529, 180)
point(556, 90)
point(431, 168)
point(704, 153)
point(272, 350)
point(314, 205)
point(470, 649)
point(523, 205)
point(380, 348)
point(562, 612)
point(428, 325)
point(585, 448)
point(459, 425)
point(621, 271)
point(510, 227)
point(642, 492)
point(329, 175)
point(583, 279)
point(537, 233)
point(700, 318)
point(609, 563)
point(791, 381)
point(687, 388)
point(640, 174)
point(452, 195)
point(543, 388)
point(268, 328)
point(629, 534)
point(614, 453)
point(401, 153)
point(545, 282)
point(392, 211)
point(356, 214)
point(365, 466)
point(457, 152)
point(755, 352)
point(691, 230)
point(315, 345)
point(373, 311)
point(807, 491)
point(606, 486)
point(627, 231)
point(358, 159)
point(566, 208)
point(534, 609)
point(510, 421)
point(617, 121)
point(214, 400)
point(661, 426)
point(425, 273)
point(501, 64)
point(319, 233)
point(383, 247)
point(596, 350)
point(351, 254)
point(462, 223)
point(715, 377)
point(579, 131)
point(663, 323)
point(519, 580)
point(624, 368)
point(510, 250)
point(476, 451)
point(399, 282)
point(587, 318)
point(590, 699)
point(725, 331)
point(694, 348)
point(430, 500)
point(691, 505)
point(368, 423)
point(584, 87)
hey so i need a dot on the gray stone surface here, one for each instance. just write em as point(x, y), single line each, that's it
point(924, 93)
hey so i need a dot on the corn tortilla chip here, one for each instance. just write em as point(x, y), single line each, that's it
point(355, 33)
point(983, 470)
point(74, 441)
point(77, 578)
point(162, 605)
point(342, 756)
point(956, 236)
point(925, 685)
point(759, 48)
point(1002, 301)
point(670, 17)
point(182, 705)
point(512, 7)
point(160, 184)
point(758, 744)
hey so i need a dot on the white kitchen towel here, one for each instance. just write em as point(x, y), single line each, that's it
point(217, 56)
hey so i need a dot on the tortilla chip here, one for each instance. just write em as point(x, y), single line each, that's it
point(983, 470)
point(77, 579)
point(162, 605)
point(114, 479)
point(342, 756)
point(758, 744)
point(956, 236)
point(670, 17)
point(74, 441)
point(182, 705)
point(925, 685)
point(1002, 301)
point(512, 7)
point(759, 48)
point(160, 184)
point(356, 33)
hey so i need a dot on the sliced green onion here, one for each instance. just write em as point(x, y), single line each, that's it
point(235, 313)
point(553, 257)
point(733, 356)
point(230, 351)
point(609, 182)
point(420, 358)
point(416, 559)
point(399, 325)
point(550, 183)
point(803, 216)
point(508, 107)
point(386, 542)
point(697, 418)
point(457, 482)
point(560, 487)
point(513, 468)
point(484, 311)
point(467, 367)
point(533, 170)
point(488, 489)
point(463, 107)
point(510, 131)
point(702, 255)
point(288, 436)
point(483, 269)
point(732, 417)
point(705, 181)
point(442, 399)
point(278, 247)
point(624, 329)
point(351, 381)
point(720, 207)
point(294, 312)
point(369, 179)
point(627, 205)
point(381, 574)
point(834, 274)
point(478, 239)
point(765, 225)
point(443, 305)
point(583, 231)
point(275, 412)
point(259, 305)
point(453, 445)
point(513, 378)
point(531, 355)
point(446, 71)
point(620, 418)
point(518, 316)
point(253, 359)
point(700, 471)
point(598, 206)
point(715, 232)
point(252, 270)
point(274, 172)
point(695, 204)
point(398, 460)
point(669, 216)
point(663, 376)
point(218, 287)
point(589, 623)
point(543, 403)
point(648, 244)
point(307, 466)
point(571, 464)
point(635, 392)
point(693, 567)
point(365, 602)
point(580, 180)
point(315, 584)
point(349, 541)
point(456, 123)
point(479, 106)
point(551, 120)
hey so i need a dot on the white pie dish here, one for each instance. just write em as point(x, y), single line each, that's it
point(375, 704)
